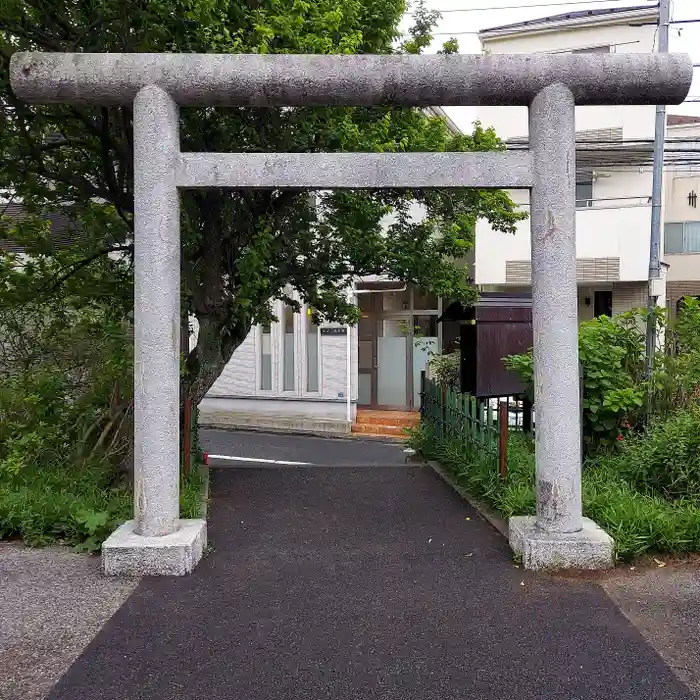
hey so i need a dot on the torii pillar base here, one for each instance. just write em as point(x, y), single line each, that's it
point(124, 553)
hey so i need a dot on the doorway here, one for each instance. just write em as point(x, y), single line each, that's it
point(602, 303)
point(398, 331)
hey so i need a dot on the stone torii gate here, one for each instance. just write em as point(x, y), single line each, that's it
point(157, 541)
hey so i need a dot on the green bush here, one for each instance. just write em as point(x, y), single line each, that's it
point(81, 507)
point(665, 459)
point(446, 368)
point(611, 352)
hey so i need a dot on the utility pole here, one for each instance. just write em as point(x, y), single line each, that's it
point(656, 197)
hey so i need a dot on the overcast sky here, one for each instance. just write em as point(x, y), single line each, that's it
point(464, 25)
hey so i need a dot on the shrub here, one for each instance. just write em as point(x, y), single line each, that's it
point(446, 368)
point(611, 352)
point(666, 458)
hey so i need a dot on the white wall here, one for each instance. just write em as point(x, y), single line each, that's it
point(242, 375)
point(678, 183)
point(636, 121)
point(615, 227)
point(678, 186)
point(682, 268)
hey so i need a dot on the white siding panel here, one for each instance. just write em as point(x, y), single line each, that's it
point(239, 377)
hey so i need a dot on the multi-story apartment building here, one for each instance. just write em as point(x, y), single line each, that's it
point(614, 175)
point(681, 210)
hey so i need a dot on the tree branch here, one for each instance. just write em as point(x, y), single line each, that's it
point(86, 261)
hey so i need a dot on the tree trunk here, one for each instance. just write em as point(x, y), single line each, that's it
point(207, 359)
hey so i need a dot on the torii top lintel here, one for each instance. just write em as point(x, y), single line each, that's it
point(322, 80)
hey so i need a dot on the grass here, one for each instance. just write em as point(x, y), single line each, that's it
point(79, 507)
point(640, 521)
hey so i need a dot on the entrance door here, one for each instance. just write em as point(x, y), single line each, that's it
point(602, 303)
point(383, 362)
point(393, 336)
point(367, 360)
point(396, 334)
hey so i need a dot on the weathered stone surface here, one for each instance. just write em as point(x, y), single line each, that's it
point(275, 80)
point(156, 313)
point(589, 548)
point(355, 170)
point(555, 311)
point(124, 553)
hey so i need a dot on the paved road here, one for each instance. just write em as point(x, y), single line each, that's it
point(360, 583)
point(298, 448)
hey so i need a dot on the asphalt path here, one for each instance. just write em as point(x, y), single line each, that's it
point(374, 580)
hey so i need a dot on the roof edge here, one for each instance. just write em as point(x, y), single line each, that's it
point(570, 19)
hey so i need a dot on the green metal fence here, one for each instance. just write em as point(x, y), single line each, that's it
point(477, 426)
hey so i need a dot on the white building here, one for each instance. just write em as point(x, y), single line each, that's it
point(296, 376)
point(614, 172)
point(681, 210)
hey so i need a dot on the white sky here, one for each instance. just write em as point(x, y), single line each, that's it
point(683, 38)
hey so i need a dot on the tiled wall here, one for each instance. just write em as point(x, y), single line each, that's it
point(587, 270)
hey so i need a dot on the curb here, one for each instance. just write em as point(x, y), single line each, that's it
point(482, 509)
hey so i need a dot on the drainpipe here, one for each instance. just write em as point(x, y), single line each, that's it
point(348, 366)
point(348, 370)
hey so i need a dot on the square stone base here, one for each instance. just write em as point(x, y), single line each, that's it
point(127, 554)
point(590, 548)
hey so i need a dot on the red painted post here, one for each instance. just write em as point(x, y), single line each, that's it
point(502, 439)
point(187, 438)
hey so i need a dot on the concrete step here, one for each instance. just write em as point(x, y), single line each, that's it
point(403, 419)
point(379, 430)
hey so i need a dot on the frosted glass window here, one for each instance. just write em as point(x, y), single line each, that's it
point(392, 353)
point(288, 349)
point(691, 237)
point(673, 238)
point(265, 358)
point(584, 194)
point(311, 353)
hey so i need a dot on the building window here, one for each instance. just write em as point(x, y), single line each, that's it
point(682, 237)
point(265, 358)
point(311, 352)
point(288, 349)
point(584, 193)
point(424, 301)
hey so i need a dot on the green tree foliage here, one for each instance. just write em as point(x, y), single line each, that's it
point(240, 249)
point(65, 360)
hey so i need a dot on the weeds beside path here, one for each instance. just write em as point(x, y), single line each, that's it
point(641, 517)
point(74, 506)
